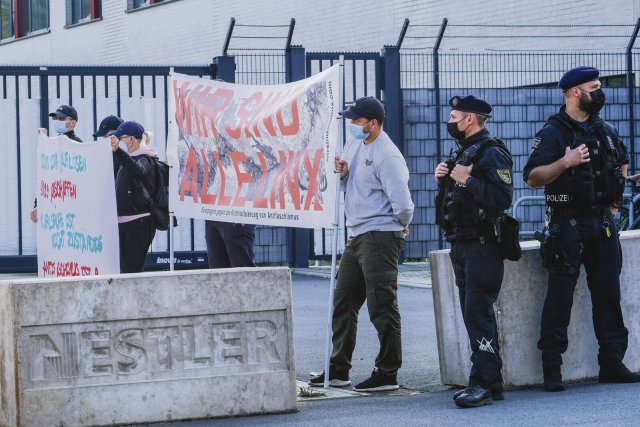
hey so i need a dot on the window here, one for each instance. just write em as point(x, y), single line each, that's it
point(19, 18)
point(33, 16)
point(137, 4)
point(80, 11)
point(6, 19)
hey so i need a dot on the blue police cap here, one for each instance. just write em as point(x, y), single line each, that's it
point(577, 76)
point(470, 104)
point(367, 107)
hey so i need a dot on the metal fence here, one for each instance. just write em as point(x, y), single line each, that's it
point(521, 86)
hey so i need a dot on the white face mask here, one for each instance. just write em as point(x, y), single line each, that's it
point(60, 126)
point(357, 131)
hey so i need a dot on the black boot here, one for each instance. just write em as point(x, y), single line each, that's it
point(497, 392)
point(474, 396)
point(616, 372)
point(552, 378)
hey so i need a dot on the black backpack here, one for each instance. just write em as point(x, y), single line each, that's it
point(159, 201)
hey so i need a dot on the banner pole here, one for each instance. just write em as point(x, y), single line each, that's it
point(171, 256)
point(336, 223)
point(171, 214)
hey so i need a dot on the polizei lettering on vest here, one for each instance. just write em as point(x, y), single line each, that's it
point(557, 198)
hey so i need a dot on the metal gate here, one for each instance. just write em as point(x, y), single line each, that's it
point(28, 94)
point(362, 77)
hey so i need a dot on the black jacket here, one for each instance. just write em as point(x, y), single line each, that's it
point(598, 182)
point(129, 200)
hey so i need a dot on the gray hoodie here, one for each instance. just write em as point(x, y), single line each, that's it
point(377, 196)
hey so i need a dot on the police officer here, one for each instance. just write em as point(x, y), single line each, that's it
point(581, 162)
point(475, 187)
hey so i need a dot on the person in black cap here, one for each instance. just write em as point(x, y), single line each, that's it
point(136, 227)
point(108, 125)
point(475, 188)
point(64, 121)
point(582, 163)
point(378, 209)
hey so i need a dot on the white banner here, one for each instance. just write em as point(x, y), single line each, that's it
point(254, 154)
point(77, 213)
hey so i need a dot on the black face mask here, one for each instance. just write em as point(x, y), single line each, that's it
point(595, 105)
point(452, 128)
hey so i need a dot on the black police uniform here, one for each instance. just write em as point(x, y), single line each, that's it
point(581, 230)
point(468, 216)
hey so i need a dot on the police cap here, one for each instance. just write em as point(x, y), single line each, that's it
point(577, 76)
point(470, 104)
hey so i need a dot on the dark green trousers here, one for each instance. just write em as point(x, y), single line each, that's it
point(368, 271)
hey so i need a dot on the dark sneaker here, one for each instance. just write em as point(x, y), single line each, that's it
point(553, 378)
point(378, 382)
point(497, 392)
point(617, 372)
point(335, 380)
point(474, 396)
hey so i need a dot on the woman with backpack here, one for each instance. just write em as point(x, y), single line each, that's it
point(137, 173)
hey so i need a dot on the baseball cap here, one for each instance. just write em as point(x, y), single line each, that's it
point(109, 123)
point(65, 111)
point(367, 107)
point(131, 128)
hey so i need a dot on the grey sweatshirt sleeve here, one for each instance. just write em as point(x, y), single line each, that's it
point(394, 177)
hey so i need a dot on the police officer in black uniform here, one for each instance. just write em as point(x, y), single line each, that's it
point(475, 188)
point(581, 162)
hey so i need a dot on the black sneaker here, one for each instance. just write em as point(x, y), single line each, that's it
point(497, 392)
point(335, 380)
point(617, 372)
point(378, 382)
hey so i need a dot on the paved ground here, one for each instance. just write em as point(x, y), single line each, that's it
point(422, 401)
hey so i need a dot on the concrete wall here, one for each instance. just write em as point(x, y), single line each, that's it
point(146, 347)
point(518, 312)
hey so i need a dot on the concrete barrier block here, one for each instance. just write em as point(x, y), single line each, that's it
point(146, 347)
point(518, 312)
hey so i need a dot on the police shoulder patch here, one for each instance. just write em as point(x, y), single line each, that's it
point(505, 175)
point(536, 142)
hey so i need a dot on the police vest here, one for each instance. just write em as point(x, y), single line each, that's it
point(456, 210)
point(597, 183)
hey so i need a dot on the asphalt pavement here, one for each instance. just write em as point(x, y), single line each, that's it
point(422, 400)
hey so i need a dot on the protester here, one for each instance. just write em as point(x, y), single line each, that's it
point(475, 188)
point(581, 161)
point(378, 209)
point(229, 244)
point(135, 225)
point(64, 121)
point(107, 126)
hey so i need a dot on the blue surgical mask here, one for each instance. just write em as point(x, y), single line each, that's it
point(60, 126)
point(358, 132)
